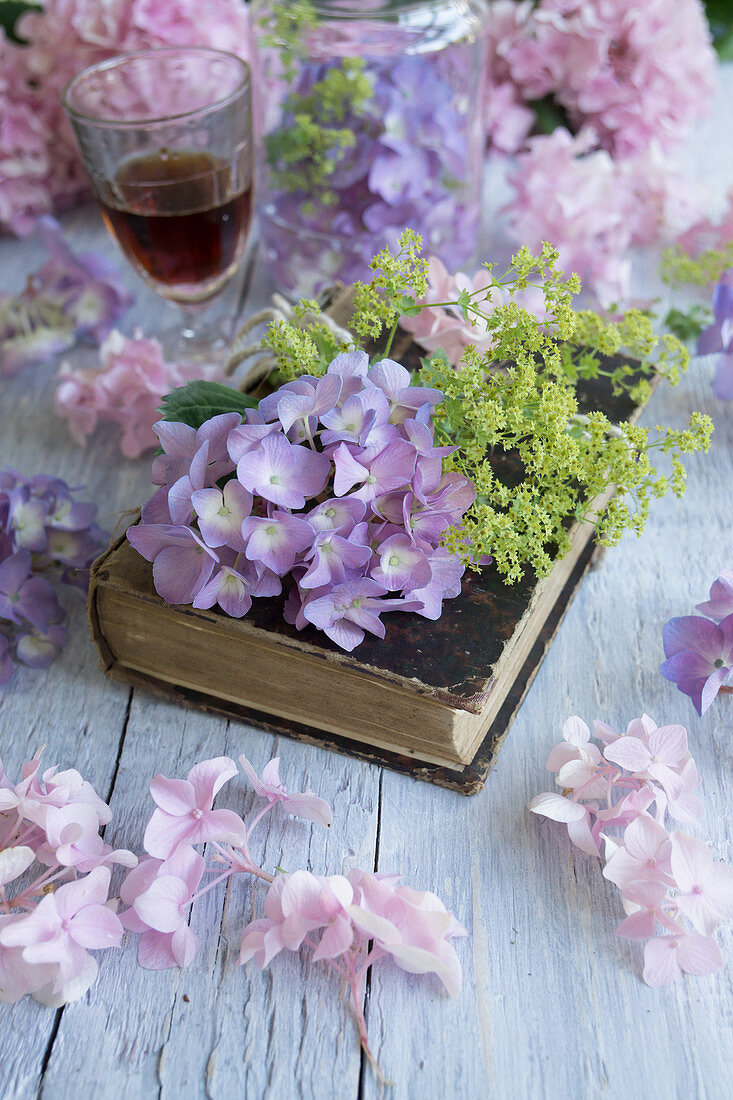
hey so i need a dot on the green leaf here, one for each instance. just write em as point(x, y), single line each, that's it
point(198, 401)
point(688, 326)
point(10, 12)
point(464, 301)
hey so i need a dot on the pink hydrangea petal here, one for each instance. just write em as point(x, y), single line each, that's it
point(336, 939)
point(90, 890)
point(691, 860)
point(639, 926)
point(165, 832)
point(669, 743)
point(184, 945)
point(661, 965)
point(699, 955)
point(629, 753)
point(14, 861)
point(162, 904)
point(209, 776)
point(174, 796)
point(576, 732)
point(252, 776)
point(556, 807)
point(222, 825)
point(96, 926)
point(308, 806)
point(154, 951)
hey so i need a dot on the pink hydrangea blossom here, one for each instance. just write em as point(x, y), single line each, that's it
point(50, 918)
point(126, 389)
point(348, 921)
point(633, 72)
point(185, 815)
point(664, 879)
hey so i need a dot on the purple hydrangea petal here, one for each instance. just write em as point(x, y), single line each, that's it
point(723, 378)
point(692, 633)
point(710, 340)
point(180, 572)
point(39, 650)
point(720, 603)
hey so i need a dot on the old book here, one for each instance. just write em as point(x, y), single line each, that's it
point(432, 698)
point(428, 694)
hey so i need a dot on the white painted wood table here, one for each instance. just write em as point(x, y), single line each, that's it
point(553, 1004)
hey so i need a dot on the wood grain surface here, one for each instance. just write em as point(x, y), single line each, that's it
point(553, 1004)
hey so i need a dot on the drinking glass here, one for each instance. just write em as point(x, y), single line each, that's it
point(166, 137)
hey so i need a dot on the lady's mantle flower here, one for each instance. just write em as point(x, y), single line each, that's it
point(699, 656)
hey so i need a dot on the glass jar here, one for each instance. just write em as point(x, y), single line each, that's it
point(370, 115)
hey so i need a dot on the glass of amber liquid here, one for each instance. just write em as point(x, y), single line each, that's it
point(166, 137)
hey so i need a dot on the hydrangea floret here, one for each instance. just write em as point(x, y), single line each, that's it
point(617, 793)
point(333, 485)
point(54, 884)
point(45, 532)
point(699, 648)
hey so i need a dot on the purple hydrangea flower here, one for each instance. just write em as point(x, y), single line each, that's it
point(345, 613)
point(45, 532)
point(276, 540)
point(376, 471)
point(71, 297)
point(227, 588)
point(699, 656)
point(402, 565)
point(224, 535)
point(282, 473)
point(23, 596)
point(221, 514)
point(182, 562)
point(87, 288)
